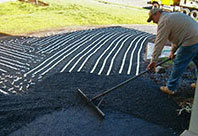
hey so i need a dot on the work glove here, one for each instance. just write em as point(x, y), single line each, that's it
point(152, 66)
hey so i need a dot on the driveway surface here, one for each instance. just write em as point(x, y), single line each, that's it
point(40, 77)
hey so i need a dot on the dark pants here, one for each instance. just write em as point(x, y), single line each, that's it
point(184, 56)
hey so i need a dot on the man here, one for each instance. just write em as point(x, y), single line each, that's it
point(182, 31)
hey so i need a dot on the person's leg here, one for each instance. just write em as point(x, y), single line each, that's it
point(184, 56)
point(195, 60)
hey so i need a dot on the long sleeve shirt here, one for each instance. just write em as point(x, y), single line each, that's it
point(178, 28)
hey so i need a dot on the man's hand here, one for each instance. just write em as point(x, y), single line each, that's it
point(171, 55)
point(152, 66)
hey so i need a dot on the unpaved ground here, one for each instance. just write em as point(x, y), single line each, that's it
point(149, 28)
point(139, 3)
point(1, 1)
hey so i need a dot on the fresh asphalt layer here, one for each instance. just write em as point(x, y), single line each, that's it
point(104, 51)
point(41, 76)
point(138, 108)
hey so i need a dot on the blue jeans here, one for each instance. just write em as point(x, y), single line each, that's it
point(184, 56)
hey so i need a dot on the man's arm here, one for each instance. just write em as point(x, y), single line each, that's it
point(161, 39)
point(163, 32)
point(174, 48)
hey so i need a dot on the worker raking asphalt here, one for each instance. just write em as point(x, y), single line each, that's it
point(42, 89)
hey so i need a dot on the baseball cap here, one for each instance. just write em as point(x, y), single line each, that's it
point(152, 12)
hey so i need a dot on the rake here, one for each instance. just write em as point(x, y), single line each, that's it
point(90, 101)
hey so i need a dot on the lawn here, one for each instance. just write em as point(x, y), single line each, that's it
point(19, 18)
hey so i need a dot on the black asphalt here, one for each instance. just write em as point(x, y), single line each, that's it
point(42, 75)
point(138, 108)
point(104, 51)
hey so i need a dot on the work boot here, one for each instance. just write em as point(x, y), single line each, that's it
point(165, 89)
point(193, 85)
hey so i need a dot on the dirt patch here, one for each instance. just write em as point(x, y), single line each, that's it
point(139, 3)
point(36, 2)
point(149, 28)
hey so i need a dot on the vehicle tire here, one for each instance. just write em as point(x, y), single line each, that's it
point(186, 11)
point(194, 14)
point(155, 5)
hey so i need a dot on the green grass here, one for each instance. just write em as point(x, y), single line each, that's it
point(18, 18)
